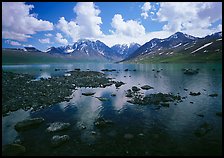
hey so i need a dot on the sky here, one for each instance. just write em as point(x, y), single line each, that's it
point(46, 24)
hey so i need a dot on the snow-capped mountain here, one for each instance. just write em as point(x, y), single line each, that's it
point(31, 49)
point(176, 40)
point(124, 50)
point(83, 49)
point(176, 44)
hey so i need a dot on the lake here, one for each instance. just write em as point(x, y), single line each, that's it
point(136, 129)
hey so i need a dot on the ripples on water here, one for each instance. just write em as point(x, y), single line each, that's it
point(136, 130)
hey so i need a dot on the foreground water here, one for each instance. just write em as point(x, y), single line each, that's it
point(136, 129)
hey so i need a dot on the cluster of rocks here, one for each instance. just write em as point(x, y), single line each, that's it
point(156, 99)
point(21, 91)
point(58, 126)
point(31, 123)
point(118, 84)
point(195, 94)
point(190, 71)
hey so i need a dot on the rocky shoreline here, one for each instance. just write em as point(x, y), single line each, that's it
point(22, 91)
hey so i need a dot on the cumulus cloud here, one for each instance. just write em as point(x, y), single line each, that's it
point(87, 22)
point(145, 8)
point(219, 27)
point(44, 40)
point(129, 28)
point(59, 38)
point(113, 39)
point(189, 17)
point(48, 35)
point(13, 43)
point(18, 23)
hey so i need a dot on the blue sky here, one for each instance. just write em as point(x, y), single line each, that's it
point(46, 24)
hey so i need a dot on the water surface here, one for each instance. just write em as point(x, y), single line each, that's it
point(164, 131)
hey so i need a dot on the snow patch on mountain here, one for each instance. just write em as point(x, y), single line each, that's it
point(206, 45)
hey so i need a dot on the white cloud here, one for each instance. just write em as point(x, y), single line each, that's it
point(145, 8)
point(18, 23)
point(193, 17)
point(44, 40)
point(87, 22)
point(219, 27)
point(59, 38)
point(13, 43)
point(113, 39)
point(13, 35)
point(129, 28)
point(145, 15)
point(48, 34)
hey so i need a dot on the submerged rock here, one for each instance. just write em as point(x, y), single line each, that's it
point(57, 140)
point(135, 89)
point(103, 99)
point(194, 94)
point(129, 93)
point(128, 136)
point(219, 114)
point(213, 95)
point(146, 87)
point(58, 126)
point(102, 123)
point(165, 104)
point(108, 70)
point(88, 93)
point(28, 124)
point(200, 115)
point(203, 129)
point(190, 71)
point(118, 84)
point(113, 94)
point(13, 150)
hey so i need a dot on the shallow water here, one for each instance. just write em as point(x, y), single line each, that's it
point(164, 131)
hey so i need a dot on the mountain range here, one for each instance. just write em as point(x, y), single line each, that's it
point(96, 50)
point(178, 46)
